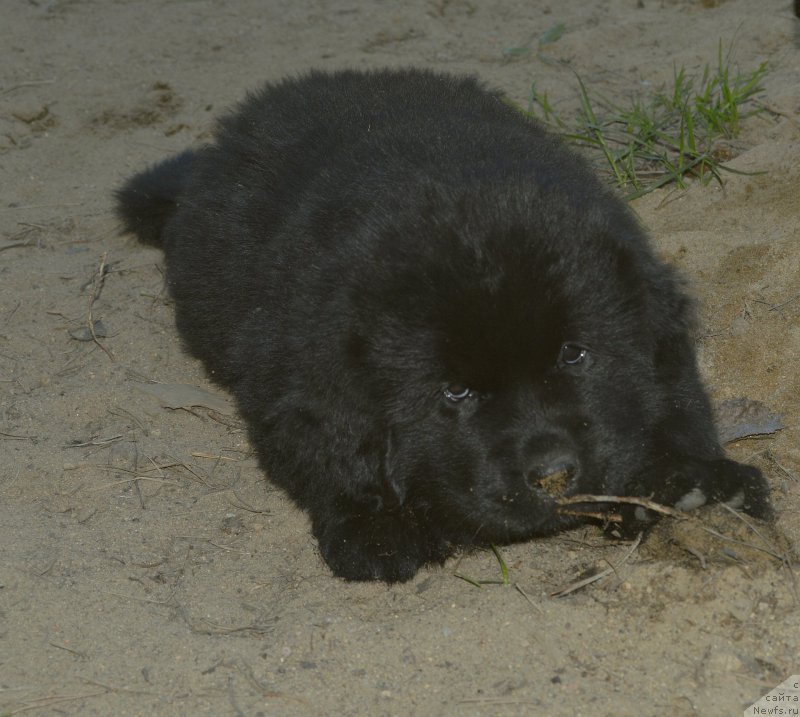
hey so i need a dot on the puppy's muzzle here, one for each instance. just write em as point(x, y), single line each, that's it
point(553, 472)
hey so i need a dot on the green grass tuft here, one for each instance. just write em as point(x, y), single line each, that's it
point(667, 137)
point(504, 579)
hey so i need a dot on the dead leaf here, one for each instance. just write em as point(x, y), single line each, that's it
point(739, 418)
point(182, 395)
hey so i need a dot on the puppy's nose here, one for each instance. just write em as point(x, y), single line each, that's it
point(552, 471)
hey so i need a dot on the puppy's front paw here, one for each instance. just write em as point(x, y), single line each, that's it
point(721, 481)
point(377, 547)
point(691, 483)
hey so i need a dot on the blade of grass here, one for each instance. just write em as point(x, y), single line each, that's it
point(593, 126)
point(503, 568)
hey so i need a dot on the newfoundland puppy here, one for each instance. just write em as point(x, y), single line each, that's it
point(435, 320)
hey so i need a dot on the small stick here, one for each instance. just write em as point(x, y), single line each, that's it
point(39, 703)
point(13, 244)
point(607, 517)
point(643, 502)
point(519, 589)
point(598, 576)
point(29, 83)
point(98, 280)
point(135, 479)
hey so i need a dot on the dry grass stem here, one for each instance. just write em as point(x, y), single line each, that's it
point(599, 576)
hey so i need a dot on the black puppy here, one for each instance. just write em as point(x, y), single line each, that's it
point(434, 318)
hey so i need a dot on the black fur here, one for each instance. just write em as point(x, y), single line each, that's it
point(427, 307)
point(148, 200)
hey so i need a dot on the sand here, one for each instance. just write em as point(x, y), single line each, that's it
point(146, 566)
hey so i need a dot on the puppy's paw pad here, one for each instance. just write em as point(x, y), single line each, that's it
point(691, 500)
point(737, 501)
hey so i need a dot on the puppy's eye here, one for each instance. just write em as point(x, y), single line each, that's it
point(572, 355)
point(457, 392)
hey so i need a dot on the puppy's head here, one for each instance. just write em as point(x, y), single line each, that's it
point(514, 365)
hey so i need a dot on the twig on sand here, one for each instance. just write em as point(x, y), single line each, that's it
point(598, 576)
point(632, 500)
point(98, 280)
point(29, 83)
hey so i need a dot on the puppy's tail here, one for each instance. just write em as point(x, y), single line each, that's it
point(146, 201)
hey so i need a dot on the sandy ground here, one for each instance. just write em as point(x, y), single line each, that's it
point(195, 589)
